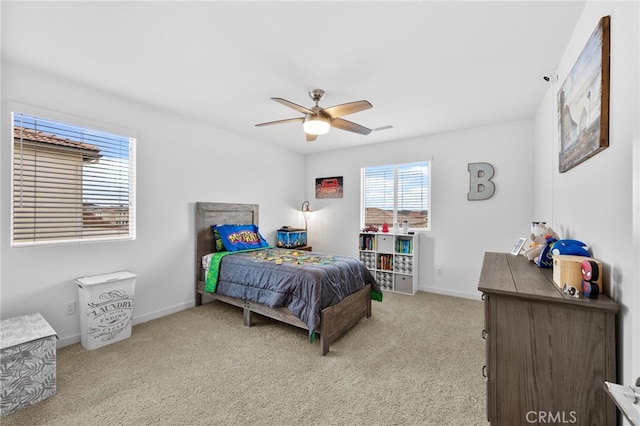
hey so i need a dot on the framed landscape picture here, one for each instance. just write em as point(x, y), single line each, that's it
point(583, 102)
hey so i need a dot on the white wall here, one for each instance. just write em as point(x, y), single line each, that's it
point(179, 162)
point(462, 230)
point(598, 201)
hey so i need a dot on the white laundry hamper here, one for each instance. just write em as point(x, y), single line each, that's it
point(105, 308)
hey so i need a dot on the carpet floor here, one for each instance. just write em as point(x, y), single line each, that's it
point(417, 361)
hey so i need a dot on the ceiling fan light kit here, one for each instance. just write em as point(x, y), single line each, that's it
point(318, 120)
point(316, 124)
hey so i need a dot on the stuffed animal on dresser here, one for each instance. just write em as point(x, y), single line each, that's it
point(541, 241)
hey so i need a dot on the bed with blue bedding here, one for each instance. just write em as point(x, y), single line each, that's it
point(322, 293)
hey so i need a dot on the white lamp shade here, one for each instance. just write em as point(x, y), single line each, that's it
point(316, 124)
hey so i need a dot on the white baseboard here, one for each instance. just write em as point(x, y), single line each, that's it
point(447, 292)
point(66, 341)
point(70, 340)
point(162, 312)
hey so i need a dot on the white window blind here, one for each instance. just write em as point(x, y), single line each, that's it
point(396, 192)
point(70, 183)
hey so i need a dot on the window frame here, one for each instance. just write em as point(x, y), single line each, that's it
point(396, 167)
point(91, 126)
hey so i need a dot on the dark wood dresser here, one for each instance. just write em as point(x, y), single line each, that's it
point(548, 354)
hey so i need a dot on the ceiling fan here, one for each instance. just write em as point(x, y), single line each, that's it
point(318, 120)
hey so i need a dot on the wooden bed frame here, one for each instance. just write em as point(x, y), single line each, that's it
point(335, 320)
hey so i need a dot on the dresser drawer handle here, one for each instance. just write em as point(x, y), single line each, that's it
point(485, 334)
point(484, 371)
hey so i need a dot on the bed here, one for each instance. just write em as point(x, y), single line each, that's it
point(334, 320)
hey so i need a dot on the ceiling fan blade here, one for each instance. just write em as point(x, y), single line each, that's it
point(348, 108)
point(349, 126)
point(311, 138)
point(286, 120)
point(297, 107)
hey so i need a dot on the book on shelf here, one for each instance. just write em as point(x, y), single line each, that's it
point(404, 246)
point(367, 242)
point(385, 262)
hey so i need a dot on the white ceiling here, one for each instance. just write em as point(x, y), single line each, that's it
point(426, 66)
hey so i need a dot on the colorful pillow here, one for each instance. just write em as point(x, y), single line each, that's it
point(218, 246)
point(241, 237)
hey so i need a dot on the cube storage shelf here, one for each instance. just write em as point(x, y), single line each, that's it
point(392, 258)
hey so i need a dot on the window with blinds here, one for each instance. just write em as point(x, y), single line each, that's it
point(70, 183)
point(396, 192)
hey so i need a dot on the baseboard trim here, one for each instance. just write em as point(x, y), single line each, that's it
point(447, 292)
point(162, 312)
point(70, 340)
point(66, 341)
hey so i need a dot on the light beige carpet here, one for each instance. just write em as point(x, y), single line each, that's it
point(416, 361)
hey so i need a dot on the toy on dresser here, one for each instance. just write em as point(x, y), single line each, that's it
point(590, 274)
point(542, 237)
point(546, 243)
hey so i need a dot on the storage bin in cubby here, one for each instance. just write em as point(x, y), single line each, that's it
point(403, 284)
point(385, 280)
point(385, 243)
point(403, 264)
point(369, 259)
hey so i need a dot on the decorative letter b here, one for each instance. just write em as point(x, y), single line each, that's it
point(480, 185)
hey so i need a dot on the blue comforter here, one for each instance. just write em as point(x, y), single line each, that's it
point(304, 282)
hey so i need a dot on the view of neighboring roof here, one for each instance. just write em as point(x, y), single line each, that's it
point(27, 134)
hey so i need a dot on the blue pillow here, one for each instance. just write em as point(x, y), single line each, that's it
point(241, 237)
